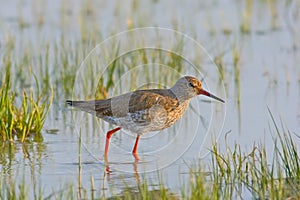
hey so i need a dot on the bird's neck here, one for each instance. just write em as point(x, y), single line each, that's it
point(179, 94)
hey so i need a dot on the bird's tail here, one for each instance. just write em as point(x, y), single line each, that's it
point(87, 106)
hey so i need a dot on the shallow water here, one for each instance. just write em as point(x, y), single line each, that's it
point(267, 77)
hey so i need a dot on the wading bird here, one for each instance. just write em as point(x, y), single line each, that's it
point(142, 111)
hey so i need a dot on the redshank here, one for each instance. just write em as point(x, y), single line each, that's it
point(142, 111)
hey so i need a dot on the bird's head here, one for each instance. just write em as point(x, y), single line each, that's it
point(188, 87)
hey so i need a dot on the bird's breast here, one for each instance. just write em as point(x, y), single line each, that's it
point(154, 118)
point(176, 113)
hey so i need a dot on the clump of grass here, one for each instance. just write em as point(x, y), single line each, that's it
point(228, 170)
point(21, 122)
point(200, 186)
point(265, 179)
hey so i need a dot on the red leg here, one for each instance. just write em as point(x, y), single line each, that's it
point(134, 151)
point(108, 136)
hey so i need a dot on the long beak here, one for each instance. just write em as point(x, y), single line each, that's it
point(203, 92)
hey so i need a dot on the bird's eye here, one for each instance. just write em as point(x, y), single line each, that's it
point(191, 84)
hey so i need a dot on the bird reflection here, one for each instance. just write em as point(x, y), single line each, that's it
point(108, 171)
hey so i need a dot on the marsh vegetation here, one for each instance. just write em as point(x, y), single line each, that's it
point(254, 46)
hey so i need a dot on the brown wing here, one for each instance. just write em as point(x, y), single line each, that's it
point(146, 99)
point(132, 102)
